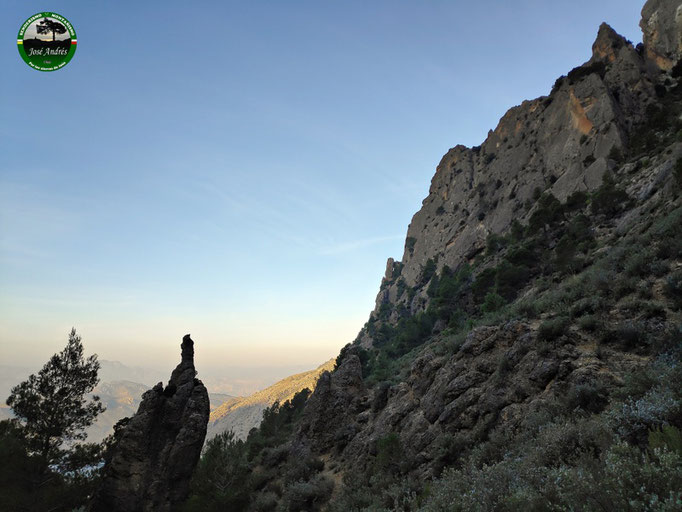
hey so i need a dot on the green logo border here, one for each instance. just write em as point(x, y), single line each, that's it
point(36, 17)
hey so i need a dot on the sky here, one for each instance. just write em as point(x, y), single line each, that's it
point(241, 171)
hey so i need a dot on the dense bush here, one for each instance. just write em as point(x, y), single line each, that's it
point(226, 476)
point(548, 212)
point(673, 288)
point(590, 397)
point(580, 72)
point(307, 495)
point(608, 199)
point(551, 329)
point(492, 302)
point(220, 480)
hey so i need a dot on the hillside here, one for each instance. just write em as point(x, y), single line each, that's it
point(526, 351)
point(240, 415)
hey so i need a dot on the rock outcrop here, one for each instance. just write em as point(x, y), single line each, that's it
point(560, 144)
point(661, 25)
point(156, 451)
point(500, 377)
point(330, 413)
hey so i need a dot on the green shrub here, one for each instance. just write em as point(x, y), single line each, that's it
point(659, 268)
point(590, 397)
point(494, 243)
point(587, 305)
point(492, 302)
point(673, 289)
point(548, 212)
point(666, 438)
point(624, 286)
point(652, 309)
point(428, 271)
point(566, 259)
point(589, 323)
point(639, 263)
point(504, 367)
point(522, 256)
point(265, 502)
point(616, 154)
point(608, 199)
point(622, 478)
point(389, 453)
point(302, 469)
point(483, 283)
point(580, 72)
point(551, 329)
point(307, 495)
point(576, 201)
point(509, 279)
point(221, 477)
point(516, 230)
point(629, 335)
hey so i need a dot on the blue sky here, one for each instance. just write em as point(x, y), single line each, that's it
point(242, 170)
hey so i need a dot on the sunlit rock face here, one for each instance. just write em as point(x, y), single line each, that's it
point(560, 144)
point(156, 451)
point(661, 26)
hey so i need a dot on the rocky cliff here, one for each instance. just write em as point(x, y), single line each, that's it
point(155, 452)
point(524, 354)
point(560, 143)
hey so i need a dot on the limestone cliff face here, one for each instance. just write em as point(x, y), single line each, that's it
point(501, 374)
point(156, 451)
point(559, 143)
point(662, 27)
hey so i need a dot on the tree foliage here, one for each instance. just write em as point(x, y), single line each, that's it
point(52, 405)
point(45, 465)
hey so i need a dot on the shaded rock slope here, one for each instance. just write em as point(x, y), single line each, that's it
point(156, 451)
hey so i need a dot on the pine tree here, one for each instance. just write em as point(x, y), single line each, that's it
point(52, 406)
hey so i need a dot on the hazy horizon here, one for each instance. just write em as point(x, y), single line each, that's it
point(247, 187)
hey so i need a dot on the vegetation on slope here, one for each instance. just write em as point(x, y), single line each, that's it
point(240, 415)
point(232, 472)
point(603, 268)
